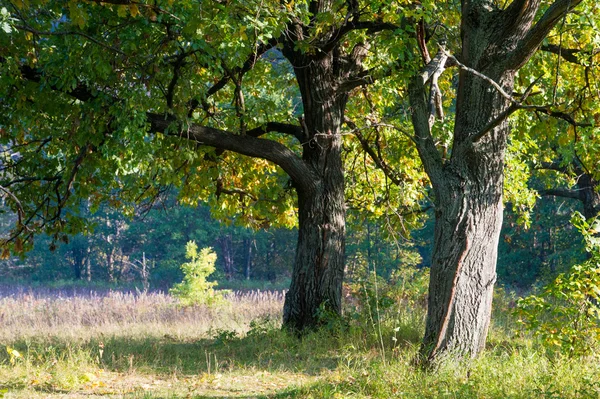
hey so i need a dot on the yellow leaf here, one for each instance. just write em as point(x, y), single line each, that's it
point(133, 9)
point(19, 245)
point(122, 11)
point(20, 4)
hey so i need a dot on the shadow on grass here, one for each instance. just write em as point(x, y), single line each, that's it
point(285, 394)
point(263, 349)
point(274, 350)
point(266, 350)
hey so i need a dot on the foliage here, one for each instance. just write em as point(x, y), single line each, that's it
point(195, 289)
point(406, 285)
point(105, 254)
point(566, 315)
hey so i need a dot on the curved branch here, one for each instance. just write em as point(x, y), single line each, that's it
point(285, 128)
point(339, 33)
point(20, 210)
point(250, 146)
point(561, 192)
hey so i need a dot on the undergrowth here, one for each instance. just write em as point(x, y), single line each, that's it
point(357, 356)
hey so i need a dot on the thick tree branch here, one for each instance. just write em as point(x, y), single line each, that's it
point(247, 145)
point(569, 54)
point(424, 141)
point(539, 32)
point(285, 128)
point(435, 94)
point(339, 33)
point(519, 15)
point(422, 41)
point(242, 144)
point(562, 192)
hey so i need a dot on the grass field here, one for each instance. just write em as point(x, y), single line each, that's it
point(78, 344)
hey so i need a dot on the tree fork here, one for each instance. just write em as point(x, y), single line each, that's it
point(468, 186)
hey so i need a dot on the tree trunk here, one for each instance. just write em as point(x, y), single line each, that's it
point(319, 265)
point(88, 272)
point(110, 261)
point(463, 270)
point(79, 252)
point(226, 248)
point(249, 243)
point(78, 262)
point(467, 223)
point(468, 187)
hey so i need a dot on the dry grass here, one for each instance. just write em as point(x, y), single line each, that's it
point(28, 314)
point(73, 343)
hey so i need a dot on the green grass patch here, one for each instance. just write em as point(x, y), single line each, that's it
point(178, 356)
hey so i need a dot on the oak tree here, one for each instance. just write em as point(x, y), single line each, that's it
point(496, 40)
point(113, 100)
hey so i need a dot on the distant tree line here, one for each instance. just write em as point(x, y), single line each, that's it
point(116, 247)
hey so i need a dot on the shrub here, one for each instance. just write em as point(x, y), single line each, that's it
point(195, 289)
point(566, 315)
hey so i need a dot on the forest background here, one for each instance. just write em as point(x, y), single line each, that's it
point(111, 254)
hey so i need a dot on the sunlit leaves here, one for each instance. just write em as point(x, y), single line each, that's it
point(565, 314)
point(567, 82)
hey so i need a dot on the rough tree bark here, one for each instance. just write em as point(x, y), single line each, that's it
point(319, 264)
point(468, 187)
point(325, 78)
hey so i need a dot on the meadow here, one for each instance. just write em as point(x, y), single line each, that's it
point(109, 344)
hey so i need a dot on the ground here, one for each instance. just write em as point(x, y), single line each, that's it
point(56, 344)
